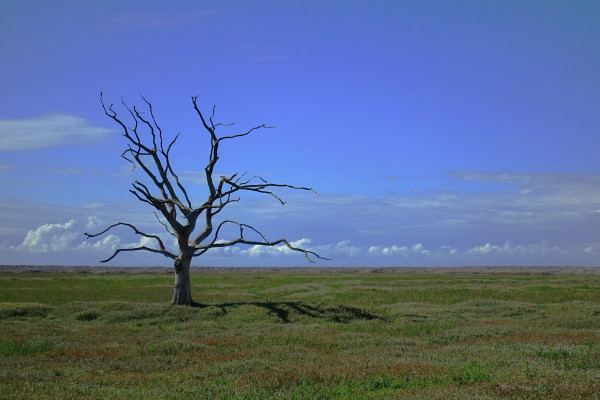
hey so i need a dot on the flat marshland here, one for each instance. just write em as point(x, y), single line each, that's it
point(302, 335)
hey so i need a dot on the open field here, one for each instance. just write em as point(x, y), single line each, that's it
point(302, 334)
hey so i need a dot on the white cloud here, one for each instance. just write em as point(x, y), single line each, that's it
point(508, 248)
point(339, 249)
point(50, 237)
point(345, 248)
point(48, 131)
point(486, 249)
point(93, 222)
point(589, 250)
point(107, 244)
point(394, 250)
point(66, 237)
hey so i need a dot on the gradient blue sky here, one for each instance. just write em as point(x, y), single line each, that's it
point(437, 132)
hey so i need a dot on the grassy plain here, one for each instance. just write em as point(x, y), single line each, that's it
point(300, 336)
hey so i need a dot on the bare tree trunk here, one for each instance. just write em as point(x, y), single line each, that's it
point(182, 293)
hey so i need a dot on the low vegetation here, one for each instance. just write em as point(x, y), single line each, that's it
point(299, 336)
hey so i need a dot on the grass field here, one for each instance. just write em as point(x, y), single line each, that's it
point(300, 336)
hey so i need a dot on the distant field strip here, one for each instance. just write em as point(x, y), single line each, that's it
point(300, 335)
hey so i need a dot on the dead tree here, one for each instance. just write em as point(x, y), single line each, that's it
point(194, 228)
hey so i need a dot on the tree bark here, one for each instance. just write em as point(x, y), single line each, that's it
point(182, 293)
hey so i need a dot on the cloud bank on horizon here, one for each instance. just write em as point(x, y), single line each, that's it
point(528, 219)
point(459, 134)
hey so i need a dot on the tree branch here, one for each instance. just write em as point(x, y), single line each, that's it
point(162, 249)
point(246, 133)
point(260, 187)
point(154, 121)
point(164, 253)
point(170, 170)
point(201, 249)
point(165, 225)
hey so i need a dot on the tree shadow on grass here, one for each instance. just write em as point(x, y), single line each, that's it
point(284, 309)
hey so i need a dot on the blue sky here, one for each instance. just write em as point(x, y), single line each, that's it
point(436, 132)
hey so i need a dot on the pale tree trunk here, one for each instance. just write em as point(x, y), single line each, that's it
point(182, 293)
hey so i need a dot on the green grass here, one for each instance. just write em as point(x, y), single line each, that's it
point(300, 336)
